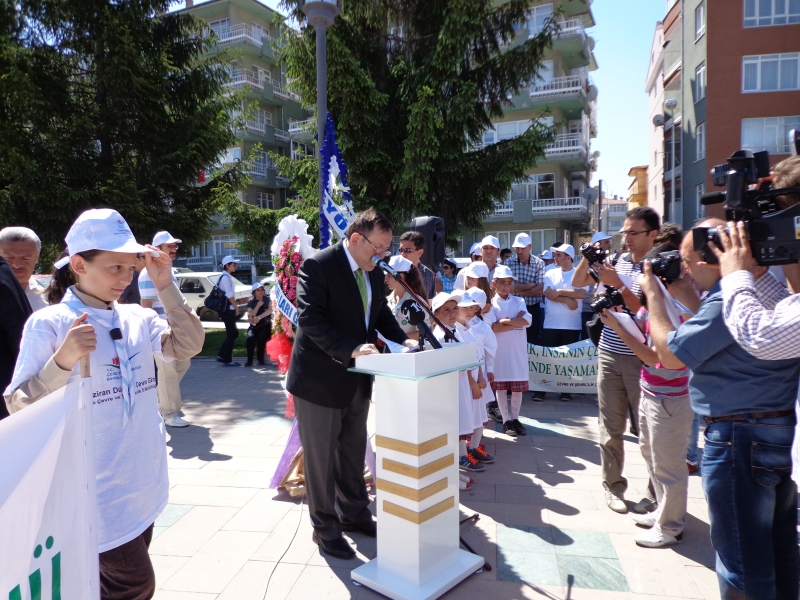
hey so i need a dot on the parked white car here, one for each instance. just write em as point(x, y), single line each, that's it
point(196, 286)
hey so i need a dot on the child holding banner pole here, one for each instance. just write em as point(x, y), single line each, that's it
point(121, 341)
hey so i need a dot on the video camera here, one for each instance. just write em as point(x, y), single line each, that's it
point(593, 254)
point(610, 298)
point(774, 234)
point(667, 265)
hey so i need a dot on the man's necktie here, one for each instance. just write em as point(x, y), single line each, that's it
point(362, 288)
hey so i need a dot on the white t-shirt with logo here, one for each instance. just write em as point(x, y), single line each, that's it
point(558, 315)
point(131, 462)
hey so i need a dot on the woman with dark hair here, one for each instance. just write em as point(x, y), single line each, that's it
point(446, 279)
point(399, 297)
point(259, 313)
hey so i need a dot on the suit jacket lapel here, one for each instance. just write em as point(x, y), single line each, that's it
point(349, 279)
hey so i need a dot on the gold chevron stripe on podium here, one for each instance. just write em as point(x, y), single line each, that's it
point(410, 493)
point(419, 472)
point(419, 517)
point(408, 447)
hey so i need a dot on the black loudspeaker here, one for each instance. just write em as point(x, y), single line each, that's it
point(432, 228)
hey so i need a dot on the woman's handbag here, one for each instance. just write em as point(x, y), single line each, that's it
point(217, 300)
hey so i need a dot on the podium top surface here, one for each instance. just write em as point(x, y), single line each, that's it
point(415, 366)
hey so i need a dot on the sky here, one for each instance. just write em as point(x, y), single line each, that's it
point(623, 37)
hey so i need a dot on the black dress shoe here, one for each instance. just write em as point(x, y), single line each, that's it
point(337, 547)
point(368, 528)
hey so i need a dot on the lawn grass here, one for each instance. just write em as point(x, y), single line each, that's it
point(214, 339)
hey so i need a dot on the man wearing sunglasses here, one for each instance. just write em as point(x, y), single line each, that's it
point(619, 368)
point(412, 247)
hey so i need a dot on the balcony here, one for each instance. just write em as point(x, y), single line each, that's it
point(571, 41)
point(201, 263)
point(303, 129)
point(252, 127)
point(281, 135)
point(281, 92)
point(241, 33)
point(572, 149)
point(565, 208)
point(570, 85)
point(241, 78)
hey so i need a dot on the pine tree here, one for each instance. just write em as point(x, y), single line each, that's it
point(412, 86)
point(111, 103)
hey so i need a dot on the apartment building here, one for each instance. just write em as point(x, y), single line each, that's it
point(732, 70)
point(551, 204)
point(277, 122)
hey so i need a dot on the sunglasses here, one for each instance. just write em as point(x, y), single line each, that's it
point(407, 250)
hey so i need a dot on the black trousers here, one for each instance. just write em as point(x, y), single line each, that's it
point(226, 350)
point(334, 444)
point(257, 342)
point(126, 572)
point(533, 333)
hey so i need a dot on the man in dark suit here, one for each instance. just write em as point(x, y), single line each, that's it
point(341, 304)
point(16, 310)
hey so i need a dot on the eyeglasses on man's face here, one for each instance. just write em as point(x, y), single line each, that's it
point(407, 250)
point(632, 233)
point(384, 253)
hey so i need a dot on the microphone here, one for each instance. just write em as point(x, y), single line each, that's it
point(379, 262)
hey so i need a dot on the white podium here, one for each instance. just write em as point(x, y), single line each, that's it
point(416, 397)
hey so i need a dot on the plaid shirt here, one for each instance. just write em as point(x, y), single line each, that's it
point(428, 280)
point(761, 316)
point(533, 272)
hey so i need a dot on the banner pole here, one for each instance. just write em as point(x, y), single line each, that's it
point(92, 552)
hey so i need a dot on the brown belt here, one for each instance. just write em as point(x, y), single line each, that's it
point(747, 416)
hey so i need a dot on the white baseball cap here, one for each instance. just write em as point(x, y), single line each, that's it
point(473, 297)
point(475, 249)
point(547, 255)
point(101, 229)
point(523, 240)
point(257, 285)
point(443, 297)
point(164, 237)
point(490, 240)
point(228, 260)
point(503, 272)
point(565, 248)
point(477, 270)
point(600, 236)
point(400, 264)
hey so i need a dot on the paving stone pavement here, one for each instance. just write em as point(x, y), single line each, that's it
point(544, 526)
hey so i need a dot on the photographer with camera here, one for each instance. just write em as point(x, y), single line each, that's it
point(665, 413)
point(602, 242)
point(618, 367)
point(748, 407)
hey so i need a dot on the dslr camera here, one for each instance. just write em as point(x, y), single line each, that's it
point(667, 265)
point(774, 233)
point(610, 298)
point(593, 254)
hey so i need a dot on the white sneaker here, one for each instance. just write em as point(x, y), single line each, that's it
point(616, 502)
point(464, 485)
point(655, 538)
point(646, 520)
point(175, 422)
point(465, 478)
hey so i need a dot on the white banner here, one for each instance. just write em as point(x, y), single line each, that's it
point(48, 507)
point(570, 369)
point(334, 216)
point(284, 305)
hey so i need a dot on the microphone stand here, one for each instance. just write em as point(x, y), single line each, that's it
point(449, 336)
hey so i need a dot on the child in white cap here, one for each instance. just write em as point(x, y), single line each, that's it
point(469, 317)
point(510, 319)
point(121, 341)
point(399, 299)
point(445, 308)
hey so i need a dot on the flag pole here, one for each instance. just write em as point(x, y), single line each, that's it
point(92, 551)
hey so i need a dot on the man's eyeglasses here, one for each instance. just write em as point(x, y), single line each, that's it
point(406, 250)
point(633, 233)
point(384, 253)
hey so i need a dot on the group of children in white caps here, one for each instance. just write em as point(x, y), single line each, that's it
point(495, 320)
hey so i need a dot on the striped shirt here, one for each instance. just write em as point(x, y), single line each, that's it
point(610, 341)
point(148, 292)
point(658, 381)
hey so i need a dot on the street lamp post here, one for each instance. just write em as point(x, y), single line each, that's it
point(321, 14)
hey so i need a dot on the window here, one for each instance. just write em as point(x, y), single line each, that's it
point(546, 74)
point(700, 141)
point(232, 155)
point(538, 17)
point(217, 27)
point(771, 72)
point(510, 129)
point(301, 151)
point(700, 82)
point(536, 187)
point(265, 200)
point(614, 224)
point(771, 134)
point(759, 13)
point(191, 286)
point(700, 209)
point(699, 20)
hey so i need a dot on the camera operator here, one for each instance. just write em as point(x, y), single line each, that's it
point(600, 241)
point(665, 413)
point(748, 407)
point(618, 367)
point(764, 333)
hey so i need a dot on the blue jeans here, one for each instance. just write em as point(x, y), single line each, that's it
point(752, 504)
point(691, 450)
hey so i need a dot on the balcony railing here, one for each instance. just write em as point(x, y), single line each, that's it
point(240, 78)
point(254, 127)
point(260, 170)
point(548, 206)
point(300, 127)
point(567, 28)
point(567, 144)
point(281, 180)
point(560, 86)
point(240, 33)
point(282, 92)
point(281, 135)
